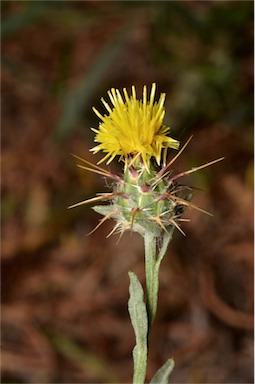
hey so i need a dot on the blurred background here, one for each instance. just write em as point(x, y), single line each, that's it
point(64, 294)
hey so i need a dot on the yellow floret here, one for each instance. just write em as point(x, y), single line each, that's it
point(133, 127)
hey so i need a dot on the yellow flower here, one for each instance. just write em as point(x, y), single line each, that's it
point(133, 127)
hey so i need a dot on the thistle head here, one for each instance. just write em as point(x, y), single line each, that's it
point(133, 129)
point(148, 196)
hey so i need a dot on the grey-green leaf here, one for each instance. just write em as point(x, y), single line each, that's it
point(162, 375)
point(138, 315)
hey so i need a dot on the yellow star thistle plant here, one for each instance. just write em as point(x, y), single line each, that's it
point(133, 127)
point(147, 198)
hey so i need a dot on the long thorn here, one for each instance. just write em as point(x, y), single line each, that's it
point(93, 199)
point(186, 203)
point(113, 230)
point(161, 173)
point(102, 221)
point(196, 168)
point(87, 162)
point(103, 173)
point(177, 226)
point(189, 204)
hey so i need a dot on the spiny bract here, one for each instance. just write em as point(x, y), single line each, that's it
point(145, 201)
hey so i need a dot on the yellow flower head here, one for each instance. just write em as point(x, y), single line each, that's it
point(133, 127)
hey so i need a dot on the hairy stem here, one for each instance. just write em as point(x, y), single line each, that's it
point(151, 277)
point(152, 264)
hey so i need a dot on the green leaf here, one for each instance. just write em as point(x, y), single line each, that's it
point(138, 315)
point(162, 375)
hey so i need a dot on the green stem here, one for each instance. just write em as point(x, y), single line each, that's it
point(136, 304)
point(140, 367)
point(152, 264)
point(151, 277)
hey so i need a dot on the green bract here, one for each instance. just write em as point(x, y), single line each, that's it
point(145, 201)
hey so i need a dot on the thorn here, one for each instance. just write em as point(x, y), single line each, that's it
point(97, 169)
point(158, 179)
point(124, 227)
point(177, 226)
point(180, 188)
point(196, 169)
point(93, 199)
point(134, 211)
point(113, 230)
point(159, 221)
point(187, 203)
point(162, 173)
point(102, 221)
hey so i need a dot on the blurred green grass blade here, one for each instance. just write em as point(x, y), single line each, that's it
point(87, 361)
point(21, 19)
point(76, 100)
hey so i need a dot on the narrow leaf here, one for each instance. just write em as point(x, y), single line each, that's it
point(138, 315)
point(162, 375)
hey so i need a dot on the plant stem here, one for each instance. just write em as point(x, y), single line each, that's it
point(152, 264)
point(142, 317)
point(151, 277)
